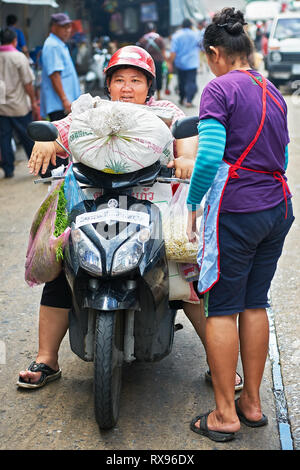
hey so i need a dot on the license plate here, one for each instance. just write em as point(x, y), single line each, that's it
point(296, 69)
point(118, 215)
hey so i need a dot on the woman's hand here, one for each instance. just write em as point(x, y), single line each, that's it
point(41, 155)
point(191, 230)
point(183, 167)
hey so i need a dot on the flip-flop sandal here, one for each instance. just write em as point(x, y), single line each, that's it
point(47, 375)
point(252, 424)
point(237, 387)
point(217, 436)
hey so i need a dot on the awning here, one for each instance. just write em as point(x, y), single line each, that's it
point(261, 10)
point(51, 3)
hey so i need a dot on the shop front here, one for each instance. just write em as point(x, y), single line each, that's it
point(124, 20)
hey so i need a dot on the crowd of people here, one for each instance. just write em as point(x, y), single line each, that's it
point(248, 211)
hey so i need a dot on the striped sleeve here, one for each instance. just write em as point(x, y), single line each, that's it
point(212, 141)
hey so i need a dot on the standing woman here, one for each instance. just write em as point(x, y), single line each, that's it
point(242, 158)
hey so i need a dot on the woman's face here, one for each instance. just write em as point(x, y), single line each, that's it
point(128, 85)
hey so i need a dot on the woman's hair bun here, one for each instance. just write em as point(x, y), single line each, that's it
point(231, 20)
point(234, 28)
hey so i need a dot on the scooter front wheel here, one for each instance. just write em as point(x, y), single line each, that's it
point(108, 360)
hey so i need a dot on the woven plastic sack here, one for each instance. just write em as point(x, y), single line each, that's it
point(178, 247)
point(44, 252)
point(117, 137)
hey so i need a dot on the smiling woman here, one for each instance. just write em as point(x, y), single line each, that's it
point(130, 75)
point(128, 85)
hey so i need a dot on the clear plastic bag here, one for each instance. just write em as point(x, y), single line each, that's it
point(45, 248)
point(72, 191)
point(178, 247)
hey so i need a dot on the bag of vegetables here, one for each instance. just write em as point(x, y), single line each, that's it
point(178, 247)
point(48, 236)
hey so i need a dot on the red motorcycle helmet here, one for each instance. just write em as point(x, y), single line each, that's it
point(134, 56)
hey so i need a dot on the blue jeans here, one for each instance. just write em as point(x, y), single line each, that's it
point(187, 84)
point(7, 125)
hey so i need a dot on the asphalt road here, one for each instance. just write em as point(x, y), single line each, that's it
point(158, 400)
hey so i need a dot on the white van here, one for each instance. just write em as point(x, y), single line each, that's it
point(283, 60)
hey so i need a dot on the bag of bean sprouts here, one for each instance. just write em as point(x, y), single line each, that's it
point(178, 247)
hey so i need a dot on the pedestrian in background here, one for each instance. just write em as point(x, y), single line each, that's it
point(17, 99)
point(11, 22)
point(60, 83)
point(155, 45)
point(185, 56)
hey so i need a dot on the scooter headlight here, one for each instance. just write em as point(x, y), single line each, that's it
point(88, 255)
point(129, 254)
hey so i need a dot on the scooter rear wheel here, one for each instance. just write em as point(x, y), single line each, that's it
point(108, 360)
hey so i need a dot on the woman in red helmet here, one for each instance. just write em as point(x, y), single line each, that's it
point(129, 78)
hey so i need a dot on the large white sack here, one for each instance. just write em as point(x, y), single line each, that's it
point(117, 137)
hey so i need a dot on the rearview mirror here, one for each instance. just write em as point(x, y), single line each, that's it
point(185, 127)
point(42, 131)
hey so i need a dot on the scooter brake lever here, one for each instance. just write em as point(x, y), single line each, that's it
point(161, 179)
point(47, 180)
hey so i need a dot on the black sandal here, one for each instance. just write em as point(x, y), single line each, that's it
point(252, 424)
point(217, 436)
point(47, 375)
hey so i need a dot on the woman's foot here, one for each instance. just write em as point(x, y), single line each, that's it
point(250, 412)
point(219, 423)
point(39, 370)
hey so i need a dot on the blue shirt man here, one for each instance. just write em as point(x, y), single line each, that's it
point(185, 50)
point(60, 84)
point(185, 46)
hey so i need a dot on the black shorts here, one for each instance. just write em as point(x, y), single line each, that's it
point(57, 293)
point(250, 247)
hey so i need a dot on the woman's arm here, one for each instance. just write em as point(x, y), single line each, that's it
point(45, 152)
point(187, 152)
point(42, 154)
point(286, 157)
point(212, 141)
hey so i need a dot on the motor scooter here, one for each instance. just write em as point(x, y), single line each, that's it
point(116, 266)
